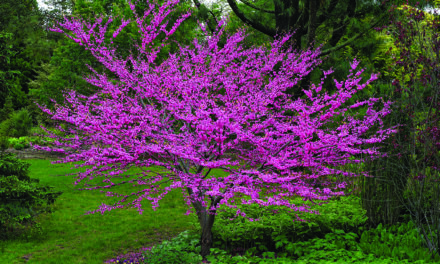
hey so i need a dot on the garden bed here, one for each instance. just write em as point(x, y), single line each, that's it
point(31, 153)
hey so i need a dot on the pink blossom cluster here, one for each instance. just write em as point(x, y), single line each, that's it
point(186, 114)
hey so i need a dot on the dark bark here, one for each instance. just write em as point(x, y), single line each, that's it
point(206, 222)
point(255, 24)
point(206, 219)
point(289, 16)
point(210, 26)
point(313, 8)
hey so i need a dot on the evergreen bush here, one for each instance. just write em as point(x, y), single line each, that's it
point(6, 128)
point(21, 197)
point(7, 110)
point(18, 125)
point(22, 123)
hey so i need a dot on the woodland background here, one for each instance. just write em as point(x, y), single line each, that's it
point(393, 38)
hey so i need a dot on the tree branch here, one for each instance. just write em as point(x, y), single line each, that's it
point(328, 14)
point(256, 25)
point(349, 41)
point(198, 5)
point(256, 7)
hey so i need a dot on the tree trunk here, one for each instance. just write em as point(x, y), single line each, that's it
point(206, 219)
point(286, 12)
point(311, 31)
point(206, 222)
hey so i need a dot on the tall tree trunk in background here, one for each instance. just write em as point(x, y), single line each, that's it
point(285, 21)
point(313, 9)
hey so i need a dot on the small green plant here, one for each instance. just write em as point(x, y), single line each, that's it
point(181, 249)
point(21, 140)
point(335, 246)
point(12, 141)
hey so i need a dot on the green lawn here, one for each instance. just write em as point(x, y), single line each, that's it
point(70, 236)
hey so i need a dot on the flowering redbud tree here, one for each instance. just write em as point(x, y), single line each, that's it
point(188, 114)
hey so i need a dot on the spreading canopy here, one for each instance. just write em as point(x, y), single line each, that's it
point(190, 113)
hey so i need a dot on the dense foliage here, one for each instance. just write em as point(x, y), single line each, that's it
point(21, 197)
point(146, 101)
point(38, 64)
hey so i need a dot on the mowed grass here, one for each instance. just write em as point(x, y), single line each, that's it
point(70, 236)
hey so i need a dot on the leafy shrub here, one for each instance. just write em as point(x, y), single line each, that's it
point(181, 249)
point(277, 227)
point(12, 141)
point(21, 198)
point(341, 247)
point(398, 241)
point(18, 146)
point(21, 140)
point(336, 235)
point(335, 247)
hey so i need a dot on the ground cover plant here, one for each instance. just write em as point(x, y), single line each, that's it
point(188, 112)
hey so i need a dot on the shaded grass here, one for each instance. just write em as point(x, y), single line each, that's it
point(70, 236)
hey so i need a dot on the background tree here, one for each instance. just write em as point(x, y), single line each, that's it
point(405, 185)
point(66, 69)
point(412, 175)
point(344, 27)
point(23, 36)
